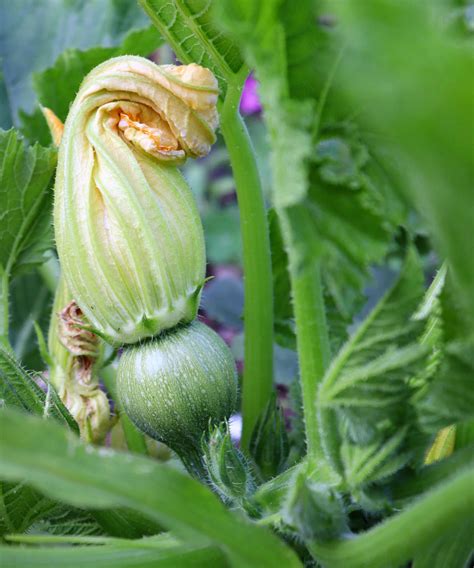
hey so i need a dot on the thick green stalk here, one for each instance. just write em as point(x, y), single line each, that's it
point(258, 309)
point(310, 315)
point(398, 539)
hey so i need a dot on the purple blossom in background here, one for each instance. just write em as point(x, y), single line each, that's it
point(250, 101)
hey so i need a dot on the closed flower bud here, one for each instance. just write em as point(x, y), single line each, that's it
point(128, 233)
point(228, 470)
point(174, 385)
point(269, 445)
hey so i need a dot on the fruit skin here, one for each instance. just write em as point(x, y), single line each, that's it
point(174, 385)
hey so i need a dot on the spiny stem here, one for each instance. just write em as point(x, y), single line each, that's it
point(310, 316)
point(258, 287)
point(4, 307)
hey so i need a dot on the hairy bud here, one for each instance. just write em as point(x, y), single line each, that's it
point(228, 470)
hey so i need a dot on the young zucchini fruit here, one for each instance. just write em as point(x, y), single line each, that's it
point(174, 385)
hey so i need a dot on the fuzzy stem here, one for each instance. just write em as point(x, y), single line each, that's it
point(258, 309)
point(4, 307)
point(310, 316)
point(398, 539)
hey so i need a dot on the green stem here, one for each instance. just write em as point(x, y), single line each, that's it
point(397, 540)
point(4, 307)
point(310, 315)
point(258, 286)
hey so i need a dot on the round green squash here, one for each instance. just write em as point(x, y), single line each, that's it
point(174, 385)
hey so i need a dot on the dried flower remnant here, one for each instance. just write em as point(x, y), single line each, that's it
point(76, 353)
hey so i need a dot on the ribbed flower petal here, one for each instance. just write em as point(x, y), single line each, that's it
point(128, 232)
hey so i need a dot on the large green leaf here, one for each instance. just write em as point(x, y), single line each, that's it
point(396, 54)
point(25, 177)
point(187, 25)
point(52, 26)
point(321, 164)
point(453, 549)
point(18, 389)
point(449, 398)
point(57, 463)
point(57, 86)
point(368, 386)
point(21, 506)
point(160, 552)
point(30, 303)
point(66, 520)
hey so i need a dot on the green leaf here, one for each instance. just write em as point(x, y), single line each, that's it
point(65, 520)
point(188, 27)
point(396, 53)
point(319, 160)
point(125, 523)
point(261, 32)
point(25, 177)
point(163, 553)
point(85, 476)
point(453, 549)
point(314, 508)
point(368, 383)
point(283, 310)
point(413, 484)
point(57, 86)
point(21, 506)
point(449, 398)
point(51, 27)
point(19, 389)
point(353, 229)
point(30, 306)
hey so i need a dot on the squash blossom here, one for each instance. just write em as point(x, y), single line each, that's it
point(128, 232)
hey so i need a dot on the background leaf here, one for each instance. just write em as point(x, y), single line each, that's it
point(30, 302)
point(368, 383)
point(18, 389)
point(52, 26)
point(57, 86)
point(21, 506)
point(187, 25)
point(25, 178)
point(396, 52)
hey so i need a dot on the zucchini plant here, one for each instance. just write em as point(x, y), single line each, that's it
point(180, 390)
